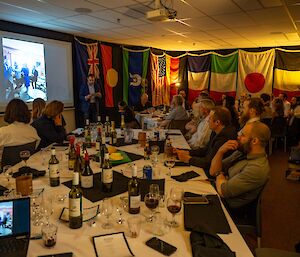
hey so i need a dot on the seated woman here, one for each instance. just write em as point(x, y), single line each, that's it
point(18, 132)
point(129, 117)
point(50, 125)
point(38, 105)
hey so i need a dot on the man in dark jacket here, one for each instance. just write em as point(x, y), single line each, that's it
point(220, 124)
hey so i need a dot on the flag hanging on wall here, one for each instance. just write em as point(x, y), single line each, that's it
point(112, 74)
point(198, 75)
point(287, 73)
point(135, 65)
point(87, 61)
point(175, 75)
point(159, 87)
point(255, 72)
point(223, 75)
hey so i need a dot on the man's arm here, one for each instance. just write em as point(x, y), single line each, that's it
point(216, 163)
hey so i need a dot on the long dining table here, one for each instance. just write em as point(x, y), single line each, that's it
point(79, 241)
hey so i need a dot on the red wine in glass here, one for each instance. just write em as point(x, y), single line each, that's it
point(152, 203)
point(174, 209)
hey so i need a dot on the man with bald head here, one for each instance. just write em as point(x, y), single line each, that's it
point(241, 176)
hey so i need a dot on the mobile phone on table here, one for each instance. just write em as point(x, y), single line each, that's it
point(161, 246)
point(201, 199)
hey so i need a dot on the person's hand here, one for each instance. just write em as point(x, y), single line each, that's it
point(88, 97)
point(58, 120)
point(183, 155)
point(98, 94)
point(229, 145)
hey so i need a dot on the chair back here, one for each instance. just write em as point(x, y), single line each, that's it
point(278, 126)
point(178, 124)
point(11, 154)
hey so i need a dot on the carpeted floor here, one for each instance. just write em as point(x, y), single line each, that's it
point(280, 207)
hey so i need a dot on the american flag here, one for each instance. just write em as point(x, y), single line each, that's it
point(160, 91)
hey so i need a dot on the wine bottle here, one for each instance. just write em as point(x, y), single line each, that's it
point(54, 169)
point(134, 195)
point(87, 134)
point(72, 154)
point(103, 150)
point(98, 140)
point(107, 130)
point(99, 124)
point(122, 125)
point(75, 203)
point(113, 134)
point(147, 150)
point(87, 178)
point(106, 175)
point(78, 162)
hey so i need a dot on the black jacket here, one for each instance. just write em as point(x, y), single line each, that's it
point(48, 131)
point(202, 157)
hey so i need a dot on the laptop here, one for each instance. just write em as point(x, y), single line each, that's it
point(14, 227)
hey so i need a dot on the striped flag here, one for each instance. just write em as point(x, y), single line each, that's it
point(135, 65)
point(112, 74)
point(255, 72)
point(287, 73)
point(198, 75)
point(223, 75)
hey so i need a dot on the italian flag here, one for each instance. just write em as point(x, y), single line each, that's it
point(287, 73)
point(223, 75)
point(255, 72)
point(198, 75)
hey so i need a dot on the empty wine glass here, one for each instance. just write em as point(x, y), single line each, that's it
point(154, 154)
point(107, 210)
point(24, 155)
point(121, 207)
point(170, 163)
point(176, 193)
point(48, 207)
point(7, 172)
point(151, 201)
point(174, 206)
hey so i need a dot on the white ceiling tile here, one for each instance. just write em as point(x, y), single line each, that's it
point(230, 20)
point(292, 2)
point(295, 12)
point(72, 4)
point(72, 25)
point(248, 5)
point(270, 15)
point(271, 3)
point(292, 36)
point(186, 11)
point(116, 17)
point(215, 7)
point(223, 33)
point(205, 24)
point(286, 27)
point(127, 31)
point(201, 36)
point(112, 3)
point(134, 11)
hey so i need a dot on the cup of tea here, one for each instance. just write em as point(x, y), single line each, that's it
point(49, 234)
point(142, 139)
point(24, 184)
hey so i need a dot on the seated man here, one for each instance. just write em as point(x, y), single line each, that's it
point(177, 111)
point(143, 104)
point(201, 137)
point(252, 110)
point(220, 124)
point(243, 178)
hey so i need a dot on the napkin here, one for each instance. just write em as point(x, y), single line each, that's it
point(28, 170)
point(186, 176)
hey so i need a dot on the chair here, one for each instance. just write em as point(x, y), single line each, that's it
point(11, 154)
point(178, 124)
point(278, 131)
point(270, 252)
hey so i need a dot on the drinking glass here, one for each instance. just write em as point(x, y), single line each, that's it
point(43, 152)
point(174, 206)
point(24, 155)
point(170, 163)
point(107, 210)
point(154, 189)
point(121, 207)
point(7, 172)
point(48, 208)
point(49, 234)
point(151, 201)
point(176, 193)
point(154, 154)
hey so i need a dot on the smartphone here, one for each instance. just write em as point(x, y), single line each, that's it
point(201, 199)
point(161, 246)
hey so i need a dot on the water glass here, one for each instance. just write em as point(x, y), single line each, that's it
point(134, 226)
point(128, 136)
point(154, 154)
point(49, 234)
point(107, 210)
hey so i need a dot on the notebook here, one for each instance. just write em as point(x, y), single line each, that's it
point(14, 227)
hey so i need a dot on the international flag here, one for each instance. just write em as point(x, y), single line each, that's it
point(112, 74)
point(135, 66)
point(287, 73)
point(255, 72)
point(159, 88)
point(175, 74)
point(198, 75)
point(223, 75)
point(87, 61)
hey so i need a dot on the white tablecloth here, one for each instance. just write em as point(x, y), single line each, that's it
point(79, 241)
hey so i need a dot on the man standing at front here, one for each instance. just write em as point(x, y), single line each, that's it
point(240, 180)
point(89, 96)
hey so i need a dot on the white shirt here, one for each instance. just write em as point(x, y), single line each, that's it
point(17, 133)
point(201, 137)
point(92, 92)
point(287, 108)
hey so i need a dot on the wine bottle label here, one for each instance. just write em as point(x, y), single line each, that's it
point(53, 171)
point(135, 201)
point(74, 207)
point(87, 181)
point(107, 175)
point(71, 164)
point(114, 140)
point(97, 146)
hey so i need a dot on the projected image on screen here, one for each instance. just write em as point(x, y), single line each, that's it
point(24, 70)
point(6, 216)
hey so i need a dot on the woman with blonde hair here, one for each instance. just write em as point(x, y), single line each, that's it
point(50, 126)
point(38, 105)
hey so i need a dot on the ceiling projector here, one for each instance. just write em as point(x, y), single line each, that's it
point(160, 14)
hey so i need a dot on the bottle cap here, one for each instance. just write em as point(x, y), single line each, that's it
point(86, 156)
